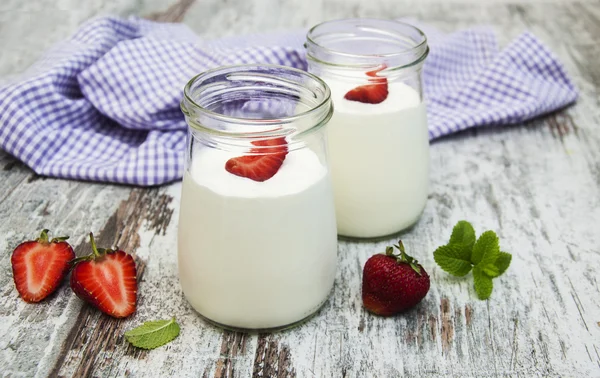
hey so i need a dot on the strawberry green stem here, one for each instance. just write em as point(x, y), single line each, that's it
point(403, 257)
point(43, 236)
point(401, 248)
point(94, 248)
point(96, 252)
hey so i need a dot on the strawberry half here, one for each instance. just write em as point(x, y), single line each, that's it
point(40, 265)
point(374, 93)
point(107, 280)
point(393, 283)
point(264, 164)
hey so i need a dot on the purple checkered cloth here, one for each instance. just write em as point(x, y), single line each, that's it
point(104, 105)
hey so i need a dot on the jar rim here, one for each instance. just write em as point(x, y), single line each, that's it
point(419, 49)
point(189, 106)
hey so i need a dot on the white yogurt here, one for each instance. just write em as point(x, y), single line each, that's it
point(257, 254)
point(379, 155)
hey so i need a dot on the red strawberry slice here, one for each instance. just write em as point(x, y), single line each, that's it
point(40, 265)
point(374, 93)
point(262, 166)
point(107, 280)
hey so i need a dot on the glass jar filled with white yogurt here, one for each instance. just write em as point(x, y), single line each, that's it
point(257, 241)
point(378, 136)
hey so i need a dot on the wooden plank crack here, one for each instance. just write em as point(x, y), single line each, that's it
point(272, 359)
point(447, 325)
point(233, 345)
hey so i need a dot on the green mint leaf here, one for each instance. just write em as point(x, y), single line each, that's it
point(451, 259)
point(486, 249)
point(491, 270)
point(502, 262)
point(153, 334)
point(463, 234)
point(483, 283)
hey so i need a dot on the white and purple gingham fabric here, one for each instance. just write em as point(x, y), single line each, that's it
point(104, 105)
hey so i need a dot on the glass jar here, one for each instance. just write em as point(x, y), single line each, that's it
point(378, 136)
point(257, 242)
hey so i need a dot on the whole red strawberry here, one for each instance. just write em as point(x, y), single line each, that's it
point(106, 279)
point(393, 282)
point(40, 265)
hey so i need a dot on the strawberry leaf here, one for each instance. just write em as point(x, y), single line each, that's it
point(416, 268)
point(153, 334)
point(483, 283)
point(451, 259)
point(486, 250)
point(403, 257)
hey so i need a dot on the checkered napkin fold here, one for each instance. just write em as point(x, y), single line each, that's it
point(104, 105)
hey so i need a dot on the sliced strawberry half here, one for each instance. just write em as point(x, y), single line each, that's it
point(107, 280)
point(265, 162)
point(40, 265)
point(373, 93)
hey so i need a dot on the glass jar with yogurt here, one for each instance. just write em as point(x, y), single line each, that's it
point(257, 241)
point(378, 136)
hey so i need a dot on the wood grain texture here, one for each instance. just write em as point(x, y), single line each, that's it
point(537, 185)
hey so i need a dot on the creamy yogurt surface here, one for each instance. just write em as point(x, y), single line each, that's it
point(301, 169)
point(257, 254)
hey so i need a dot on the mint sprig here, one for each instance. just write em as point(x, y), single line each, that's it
point(463, 235)
point(153, 334)
point(483, 283)
point(464, 253)
point(450, 258)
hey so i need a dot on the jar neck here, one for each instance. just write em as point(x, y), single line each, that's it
point(235, 105)
point(363, 44)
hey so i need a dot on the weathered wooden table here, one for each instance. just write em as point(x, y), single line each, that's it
point(537, 185)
